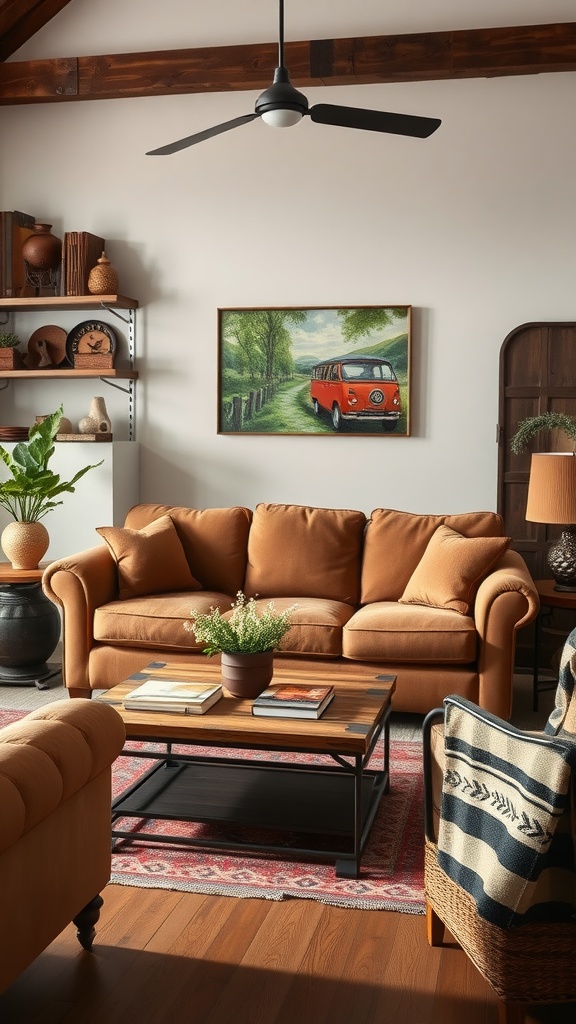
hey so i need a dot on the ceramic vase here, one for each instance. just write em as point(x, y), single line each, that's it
point(103, 278)
point(42, 250)
point(24, 544)
point(247, 675)
point(97, 421)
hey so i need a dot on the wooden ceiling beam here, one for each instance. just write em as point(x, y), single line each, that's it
point(474, 53)
point(21, 19)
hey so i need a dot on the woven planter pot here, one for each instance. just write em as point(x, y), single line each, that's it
point(247, 675)
point(24, 544)
point(11, 359)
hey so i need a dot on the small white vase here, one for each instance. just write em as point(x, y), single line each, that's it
point(97, 421)
point(24, 544)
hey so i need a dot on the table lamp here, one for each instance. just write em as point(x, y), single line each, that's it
point(551, 500)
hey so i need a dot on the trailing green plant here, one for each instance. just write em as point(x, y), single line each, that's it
point(533, 425)
point(30, 492)
point(246, 631)
point(8, 340)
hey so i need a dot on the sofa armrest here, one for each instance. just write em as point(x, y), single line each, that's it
point(48, 756)
point(79, 584)
point(506, 600)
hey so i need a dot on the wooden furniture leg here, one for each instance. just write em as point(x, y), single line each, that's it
point(434, 927)
point(85, 922)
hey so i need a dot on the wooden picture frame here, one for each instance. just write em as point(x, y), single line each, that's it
point(334, 370)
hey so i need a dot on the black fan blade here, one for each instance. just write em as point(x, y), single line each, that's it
point(374, 120)
point(209, 133)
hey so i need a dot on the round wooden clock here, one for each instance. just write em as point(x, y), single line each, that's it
point(91, 337)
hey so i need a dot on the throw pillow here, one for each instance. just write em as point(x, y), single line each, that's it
point(451, 570)
point(151, 560)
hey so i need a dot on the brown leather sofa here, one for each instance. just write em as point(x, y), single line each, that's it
point(55, 847)
point(437, 600)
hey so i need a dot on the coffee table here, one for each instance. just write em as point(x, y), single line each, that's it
point(336, 798)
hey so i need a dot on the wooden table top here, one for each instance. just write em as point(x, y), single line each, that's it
point(347, 725)
point(556, 598)
point(10, 575)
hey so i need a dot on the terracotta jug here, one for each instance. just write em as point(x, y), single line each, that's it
point(42, 250)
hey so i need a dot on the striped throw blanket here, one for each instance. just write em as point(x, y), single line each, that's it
point(505, 834)
point(562, 721)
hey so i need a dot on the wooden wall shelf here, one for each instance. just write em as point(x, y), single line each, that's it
point(68, 374)
point(29, 304)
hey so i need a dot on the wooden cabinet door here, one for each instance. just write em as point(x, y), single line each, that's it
point(537, 375)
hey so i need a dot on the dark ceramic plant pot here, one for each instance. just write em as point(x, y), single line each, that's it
point(247, 675)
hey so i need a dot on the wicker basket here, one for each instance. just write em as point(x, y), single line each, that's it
point(535, 963)
point(93, 361)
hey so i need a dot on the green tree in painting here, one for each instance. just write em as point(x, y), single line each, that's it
point(262, 340)
point(359, 322)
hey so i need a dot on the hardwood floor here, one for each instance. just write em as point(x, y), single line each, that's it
point(178, 958)
point(192, 959)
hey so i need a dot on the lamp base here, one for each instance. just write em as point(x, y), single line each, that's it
point(562, 560)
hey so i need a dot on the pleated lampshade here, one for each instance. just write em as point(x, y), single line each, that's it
point(552, 488)
point(552, 499)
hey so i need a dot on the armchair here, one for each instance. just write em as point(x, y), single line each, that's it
point(55, 847)
point(500, 870)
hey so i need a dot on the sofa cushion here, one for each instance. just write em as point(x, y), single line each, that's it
point(388, 631)
point(451, 569)
point(151, 560)
point(316, 625)
point(395, 542)
point(312, 552)
point(214, 541)
point(156, 620)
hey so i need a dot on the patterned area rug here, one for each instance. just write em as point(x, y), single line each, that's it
point(391, 874)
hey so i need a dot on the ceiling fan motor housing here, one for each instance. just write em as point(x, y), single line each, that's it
point(281, 95)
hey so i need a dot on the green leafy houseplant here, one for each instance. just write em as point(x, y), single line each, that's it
point(30, 492)
point(528, 428)
point(245, 631)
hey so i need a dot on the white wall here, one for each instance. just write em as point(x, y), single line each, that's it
point(473, 227)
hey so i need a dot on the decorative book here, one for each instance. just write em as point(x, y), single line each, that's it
point(293, 701)
point(173, 695)
point(80, 252)
point(15, 228)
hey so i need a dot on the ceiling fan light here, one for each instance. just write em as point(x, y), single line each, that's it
point(281, 118)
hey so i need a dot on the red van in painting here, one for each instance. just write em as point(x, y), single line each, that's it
point(355, 388)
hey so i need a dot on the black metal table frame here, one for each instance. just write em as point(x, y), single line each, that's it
point(349, 766)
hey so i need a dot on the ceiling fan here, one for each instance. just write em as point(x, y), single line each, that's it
point(282, 106)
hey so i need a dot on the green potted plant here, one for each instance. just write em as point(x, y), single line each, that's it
point(28, 495)
point(532, 425)
point(10, 358)
point(246, 638)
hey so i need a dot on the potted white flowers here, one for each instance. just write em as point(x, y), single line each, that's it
point(246, 638)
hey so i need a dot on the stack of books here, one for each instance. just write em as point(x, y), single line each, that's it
point(172, 695)
point(293, 701)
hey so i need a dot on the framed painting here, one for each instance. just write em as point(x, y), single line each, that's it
point(317, 370)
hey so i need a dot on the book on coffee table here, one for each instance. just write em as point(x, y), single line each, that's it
point(293, 701)
point(172, 695)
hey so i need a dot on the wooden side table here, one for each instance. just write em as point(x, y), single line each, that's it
point(549, 598)
point(29, 628)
